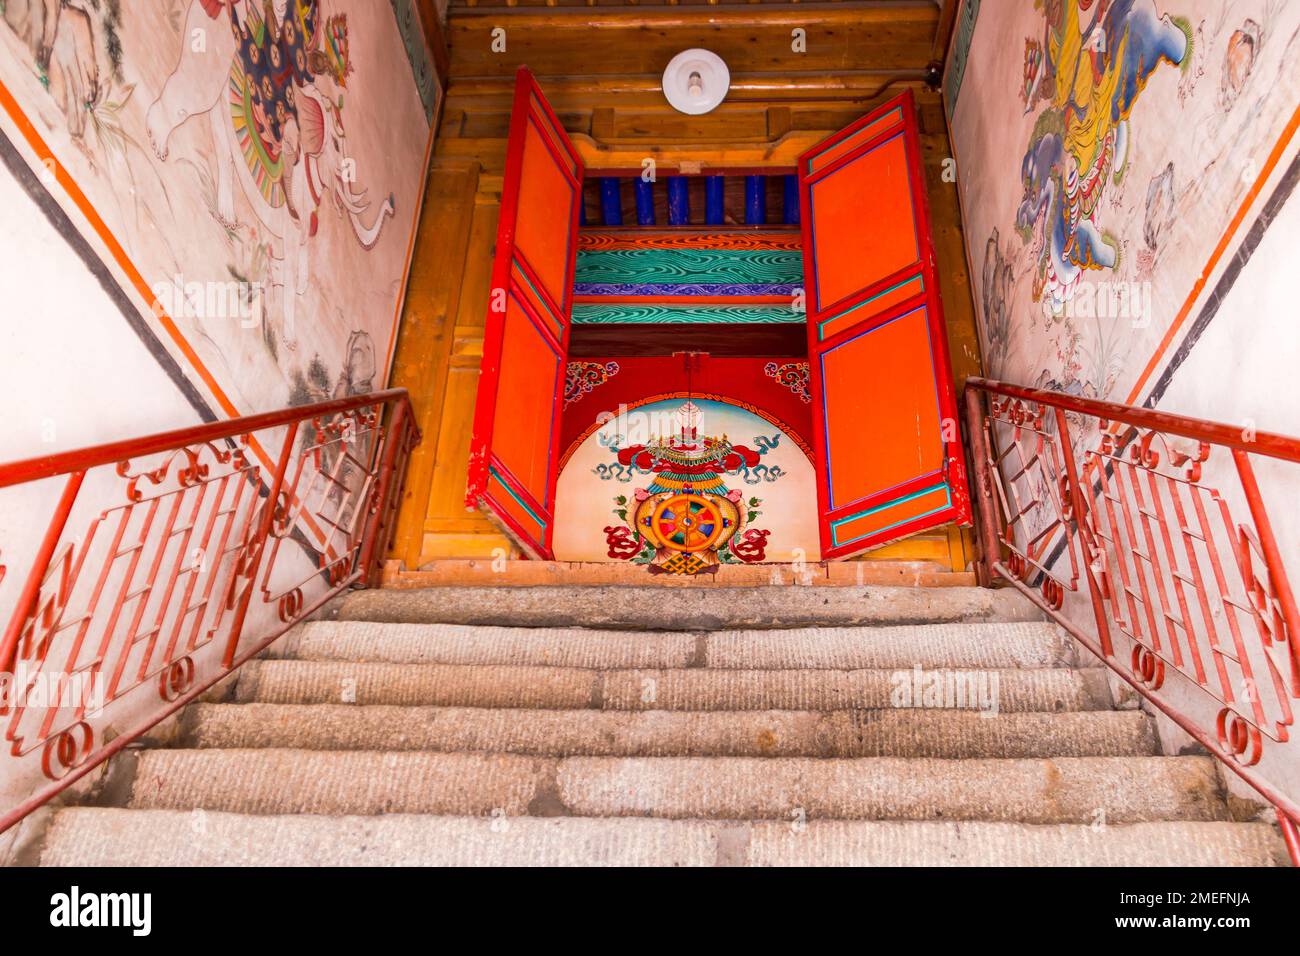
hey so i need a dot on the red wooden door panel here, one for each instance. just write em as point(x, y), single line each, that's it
point(889, 459)
point(512, 468)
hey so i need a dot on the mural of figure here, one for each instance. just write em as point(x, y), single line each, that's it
point(996, 287)
point(359, 366)
point(270, 81)
point(1158, 215)
point(1090, 78)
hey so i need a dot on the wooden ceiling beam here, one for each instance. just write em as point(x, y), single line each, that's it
point(855, 85)
point(755, 38)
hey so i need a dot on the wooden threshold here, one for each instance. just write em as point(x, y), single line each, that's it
point(514, 573)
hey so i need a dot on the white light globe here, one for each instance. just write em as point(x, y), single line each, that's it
point(696, 81)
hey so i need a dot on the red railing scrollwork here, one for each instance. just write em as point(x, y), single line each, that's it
point(1146, 536)
point(160, 564)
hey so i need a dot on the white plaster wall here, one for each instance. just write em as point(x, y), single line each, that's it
point(72, 374)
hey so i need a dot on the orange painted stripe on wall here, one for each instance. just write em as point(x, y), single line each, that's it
point(1274, 157)
point(115, 249)
point(133, 275)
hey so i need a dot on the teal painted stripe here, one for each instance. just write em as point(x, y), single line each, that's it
point(537, 295)
point(875, 127)
point(835, 525)
point(839, 315)
point(511, 492)
point(689, 266)
point(685, 315)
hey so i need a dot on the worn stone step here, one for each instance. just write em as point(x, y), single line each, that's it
point(1001, 645)
point(1099, 790)
point(529, 686)
point(686, 609)
point(116, 837)
point(340, 782)
point(770, 733)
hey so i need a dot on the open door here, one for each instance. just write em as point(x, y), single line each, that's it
point(889, 456)
point(512, 467)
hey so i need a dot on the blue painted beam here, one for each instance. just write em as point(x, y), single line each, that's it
point(755, 200)
point(679, 202)
point(790, 200)
point(582, 209)
point(611, 203)
point(714, 207)
point(645, 202)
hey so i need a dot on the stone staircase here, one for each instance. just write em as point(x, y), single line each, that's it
point(757, 726)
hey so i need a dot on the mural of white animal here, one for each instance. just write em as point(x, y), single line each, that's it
point(270, 85)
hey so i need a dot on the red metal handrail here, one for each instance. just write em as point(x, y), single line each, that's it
point(164, 556)
point(1190, 599)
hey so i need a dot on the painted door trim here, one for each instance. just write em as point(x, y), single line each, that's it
point(955, 502)
point(491, 487)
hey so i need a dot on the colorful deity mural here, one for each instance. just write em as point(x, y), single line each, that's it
point(1086, 80)
point(1104, 148)
point(693, 498)
point(263, 155)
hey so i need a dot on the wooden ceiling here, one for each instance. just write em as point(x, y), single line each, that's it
point(575, 38)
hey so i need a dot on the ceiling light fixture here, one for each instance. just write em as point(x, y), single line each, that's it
point(696, 81)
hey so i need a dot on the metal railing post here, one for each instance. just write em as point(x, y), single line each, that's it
point(260, 535)
point(394, 439)
point(1079, 507)
point(26, 605)
point(987, 532)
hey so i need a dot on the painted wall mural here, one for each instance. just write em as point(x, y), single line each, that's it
point(582, 378)
point(1128, 173)
point(1087, 82)
point(666, 486)
point(1105, 148)
point(250, 170)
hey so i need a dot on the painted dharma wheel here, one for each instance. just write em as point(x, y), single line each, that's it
point(688, 523)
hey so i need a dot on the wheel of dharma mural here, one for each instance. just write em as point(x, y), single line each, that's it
point(688, 523)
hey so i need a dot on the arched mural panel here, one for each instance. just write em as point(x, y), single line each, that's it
point(684, 485)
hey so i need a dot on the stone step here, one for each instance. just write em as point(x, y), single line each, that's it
point(116, 837)
point(999, 646)
point(1100, 790)
point(567, 688)
point(769, 733)
point(686, 608)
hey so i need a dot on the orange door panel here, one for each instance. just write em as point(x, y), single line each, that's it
point(512, 468)
point(889, 459)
